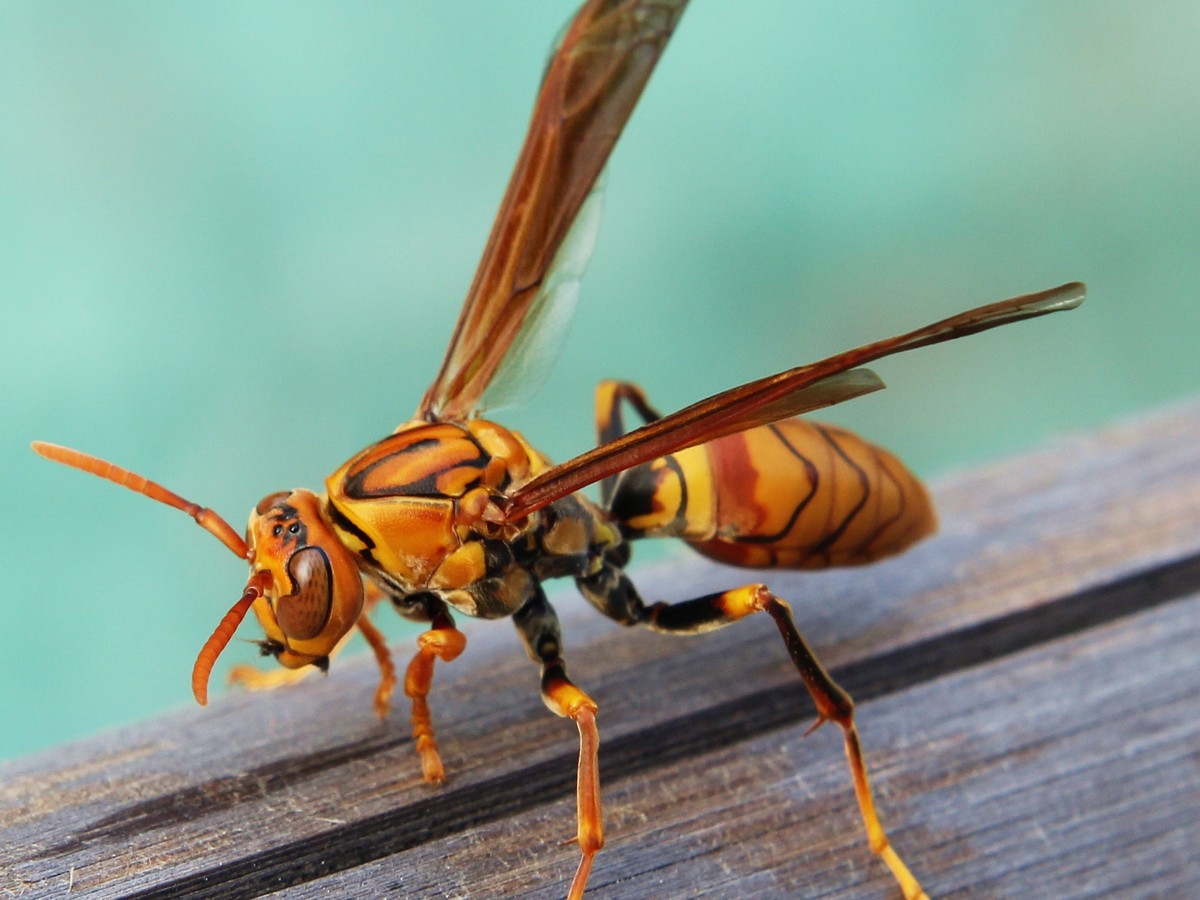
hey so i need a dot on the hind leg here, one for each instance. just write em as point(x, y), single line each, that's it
point(614, 594)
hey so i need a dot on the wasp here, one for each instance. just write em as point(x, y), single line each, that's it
point(454, 513)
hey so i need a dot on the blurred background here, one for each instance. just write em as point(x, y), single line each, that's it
point(234, 239)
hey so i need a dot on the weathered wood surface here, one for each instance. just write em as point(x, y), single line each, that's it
point(1029, 697)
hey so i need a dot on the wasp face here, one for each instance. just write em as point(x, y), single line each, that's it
point(313, 592)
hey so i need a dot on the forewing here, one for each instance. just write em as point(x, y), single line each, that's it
point(769, 399)
point(586, 97)
point(538, 343)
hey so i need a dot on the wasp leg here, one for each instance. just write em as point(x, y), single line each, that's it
point(609, 395)
point(387, 669)
point(252, 678)
point(609, 424)
point(445, 642)
point(613, 593)
point(538, 626)
point(378, 645)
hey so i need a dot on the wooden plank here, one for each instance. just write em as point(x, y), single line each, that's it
point(262, 792)
point(1067, 770)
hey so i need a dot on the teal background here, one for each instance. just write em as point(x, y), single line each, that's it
point(234, 238)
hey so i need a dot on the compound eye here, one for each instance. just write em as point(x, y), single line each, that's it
point(303, 613)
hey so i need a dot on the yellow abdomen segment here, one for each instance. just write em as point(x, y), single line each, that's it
point(795, 494)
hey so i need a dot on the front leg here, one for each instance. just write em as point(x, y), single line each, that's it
point(442, 641)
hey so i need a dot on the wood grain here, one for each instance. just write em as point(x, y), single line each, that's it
point(1027, 694)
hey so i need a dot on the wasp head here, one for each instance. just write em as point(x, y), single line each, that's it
point(312, 592)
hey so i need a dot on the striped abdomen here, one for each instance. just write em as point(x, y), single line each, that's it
point(795, 494)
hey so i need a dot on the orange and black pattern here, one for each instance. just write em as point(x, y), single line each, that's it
point(796, 494)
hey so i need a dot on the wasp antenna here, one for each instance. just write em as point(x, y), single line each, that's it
point(93, 465)
point(221, 636)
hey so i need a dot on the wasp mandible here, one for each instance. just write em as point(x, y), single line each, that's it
point(453, 512)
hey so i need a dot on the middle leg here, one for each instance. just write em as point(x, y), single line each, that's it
point(537, 624)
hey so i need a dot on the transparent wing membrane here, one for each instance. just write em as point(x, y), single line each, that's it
point(528, 277)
